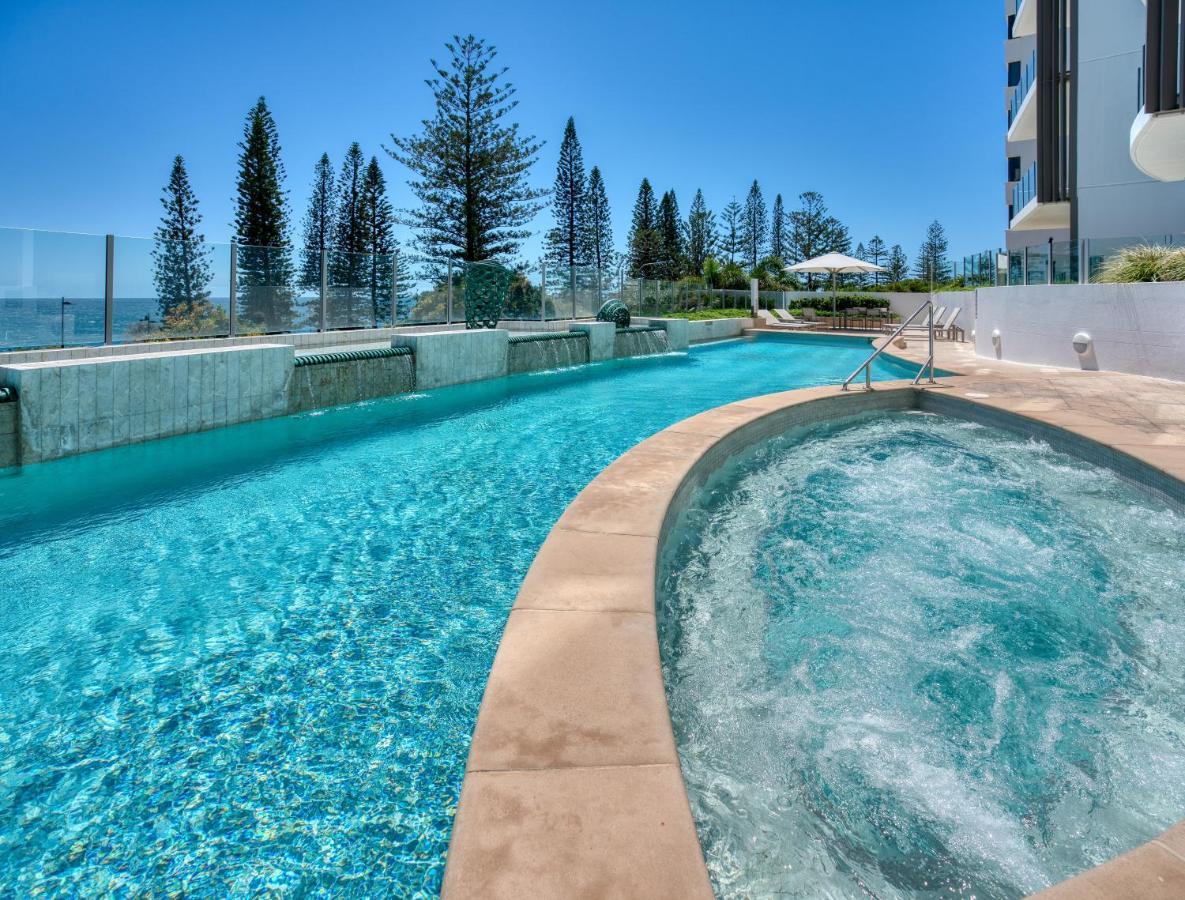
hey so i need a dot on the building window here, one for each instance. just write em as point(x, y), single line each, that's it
point(1014, 168)
point(1014, 73)
point(1011, 22)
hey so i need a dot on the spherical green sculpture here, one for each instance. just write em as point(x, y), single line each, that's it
point(616, 312)
point(486, 287)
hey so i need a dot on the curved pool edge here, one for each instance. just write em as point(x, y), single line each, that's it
point(573, 785)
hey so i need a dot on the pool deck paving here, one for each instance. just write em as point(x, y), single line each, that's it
point(573, 786)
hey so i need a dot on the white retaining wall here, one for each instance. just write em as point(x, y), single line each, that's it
point(1136, 328)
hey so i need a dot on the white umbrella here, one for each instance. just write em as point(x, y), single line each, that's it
point(835, 264)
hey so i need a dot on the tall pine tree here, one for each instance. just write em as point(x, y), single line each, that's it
point(898, 265)
point(378, 234)
point(469, 164)
point(347, 267)
point(932, 262)
point(700, 234)
point(778, 230)
point(672, 254)
point(878, 255)
point(564, 247)
point(597, 237)
point(814, 232)
point(261, 226)
point(318, 225)
point(754, 226)
point(732, 244)
point(644, 240)
point(181, 267)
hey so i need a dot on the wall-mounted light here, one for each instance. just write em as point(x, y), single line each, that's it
point(1082, 343)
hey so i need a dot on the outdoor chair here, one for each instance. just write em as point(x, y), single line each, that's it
point(923, 324)
point(783, 319)
point(948, 329)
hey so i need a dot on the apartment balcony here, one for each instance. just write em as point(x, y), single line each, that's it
point(1030, 214)
point(1158, 145)
point(1025, 23)
point(1157, 139)
point(1022, 106)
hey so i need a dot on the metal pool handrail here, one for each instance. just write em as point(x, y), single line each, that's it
point(866, 366)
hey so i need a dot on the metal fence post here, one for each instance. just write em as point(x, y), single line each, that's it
point(109, 292)
point(572, 287)
point(394, 287)
point(448, 313)
point(1084, 262)
point(1025, 274)
point(542, 290)
point(323, 318)
point(1049, 263)
point(234, 287)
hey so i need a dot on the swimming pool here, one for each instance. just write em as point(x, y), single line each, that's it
point(909, 655)
point(251, 659)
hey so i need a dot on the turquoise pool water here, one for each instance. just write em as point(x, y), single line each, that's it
point(911, 656)
point(250, 660)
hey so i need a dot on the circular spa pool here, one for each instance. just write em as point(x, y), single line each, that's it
point(909, 655)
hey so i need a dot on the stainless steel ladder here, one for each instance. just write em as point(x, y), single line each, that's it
point(866, 366)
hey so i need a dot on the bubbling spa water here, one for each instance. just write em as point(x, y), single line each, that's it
point(913, 656)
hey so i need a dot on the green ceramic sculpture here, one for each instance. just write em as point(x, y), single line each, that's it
point(616, 312)
point(486, 287)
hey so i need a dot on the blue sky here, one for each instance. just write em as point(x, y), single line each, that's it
point(892, 110)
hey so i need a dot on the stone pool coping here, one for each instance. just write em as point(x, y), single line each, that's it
point(573, 786)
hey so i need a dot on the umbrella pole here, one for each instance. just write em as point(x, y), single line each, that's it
point(834, 306)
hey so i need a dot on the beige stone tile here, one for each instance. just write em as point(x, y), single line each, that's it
point(1174, 839)
point(595, 572)
point(1148, 873)
point(574, 689)
point(576, 833)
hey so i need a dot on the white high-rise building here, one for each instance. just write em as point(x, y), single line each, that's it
point(1096, 132)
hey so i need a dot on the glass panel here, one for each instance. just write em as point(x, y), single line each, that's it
point(1025, 190)
point(1016, 267)
point(358, 293)
point(170, 290)
point(266, 296)
point(424, 300)
point(51, 289)
point(1065, 262)
point(1038, 265)
point(1027, 79)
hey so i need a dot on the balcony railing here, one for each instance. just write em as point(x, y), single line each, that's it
point(1027, 79)
point(1025, 191)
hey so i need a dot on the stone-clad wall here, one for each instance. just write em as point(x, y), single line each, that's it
point(74, 406)
point(350, 381)
point(9, 435)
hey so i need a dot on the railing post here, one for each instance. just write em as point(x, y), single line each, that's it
point(323, 317)
point(234, 287)
point(448, 314)
point(1025, 262)
point(542, 290)
point(394, 286)
point(1049, 263)
point(572, 287)
point(1084, 262)
point(109, 292)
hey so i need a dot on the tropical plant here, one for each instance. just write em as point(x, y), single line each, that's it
point(1143, 263)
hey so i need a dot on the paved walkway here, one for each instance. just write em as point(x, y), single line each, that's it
point(1142, 416)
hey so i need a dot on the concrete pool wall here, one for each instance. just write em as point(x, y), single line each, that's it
point(83, 399)
point(573, 785)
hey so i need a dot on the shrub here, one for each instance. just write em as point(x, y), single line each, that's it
point(1143, 263)
point(697, 315)
point(822, 302)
